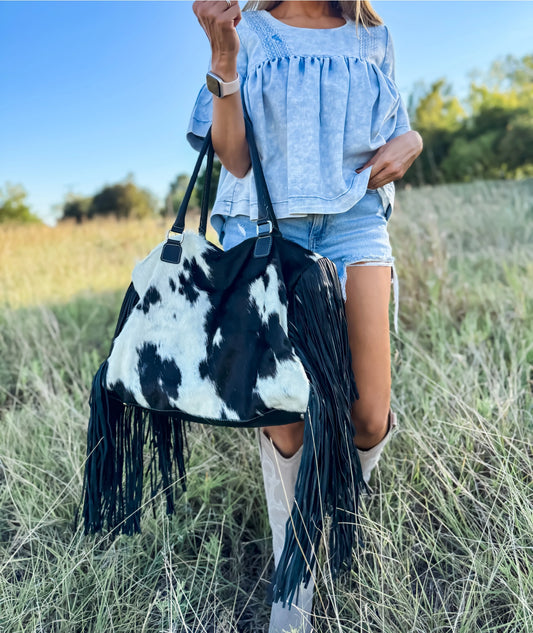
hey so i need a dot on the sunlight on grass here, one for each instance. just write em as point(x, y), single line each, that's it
point(40, 264)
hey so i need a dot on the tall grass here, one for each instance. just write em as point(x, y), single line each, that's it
point(448, 532)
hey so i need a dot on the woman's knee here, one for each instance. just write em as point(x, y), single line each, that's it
point(287, 438)
point(370, 419)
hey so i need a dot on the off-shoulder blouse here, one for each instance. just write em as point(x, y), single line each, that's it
point(321, 101)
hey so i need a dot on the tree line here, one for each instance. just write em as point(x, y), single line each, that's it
point(488, 136)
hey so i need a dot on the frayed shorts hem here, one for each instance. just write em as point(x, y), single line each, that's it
point(374, 261)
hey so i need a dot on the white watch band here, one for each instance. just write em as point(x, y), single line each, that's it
point(222, 88)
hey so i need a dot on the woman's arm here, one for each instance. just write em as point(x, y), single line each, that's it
point(392, 160)
point(228, 131)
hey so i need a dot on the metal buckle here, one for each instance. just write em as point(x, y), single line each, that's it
point(176, 237)
point(261, 228)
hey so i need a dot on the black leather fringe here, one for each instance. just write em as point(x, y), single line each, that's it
point(330, 478)
point(114, 469)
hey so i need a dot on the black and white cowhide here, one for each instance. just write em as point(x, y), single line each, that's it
point(208, 336)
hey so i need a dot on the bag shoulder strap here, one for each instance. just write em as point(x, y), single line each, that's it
point(266, 224)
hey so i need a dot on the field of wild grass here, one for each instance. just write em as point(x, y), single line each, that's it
point(449, 530)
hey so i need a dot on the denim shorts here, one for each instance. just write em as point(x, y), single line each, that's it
point(357, 235)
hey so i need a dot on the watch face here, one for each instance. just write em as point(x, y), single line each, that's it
point(212, 84)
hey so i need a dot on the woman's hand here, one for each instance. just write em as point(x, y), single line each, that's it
point(219, 21)
point(392, 160)
point(228, 132)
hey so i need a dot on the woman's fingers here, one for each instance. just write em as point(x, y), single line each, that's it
point(219, 21)
point(392, 160)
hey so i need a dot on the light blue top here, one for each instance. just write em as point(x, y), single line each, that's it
point(321, 102)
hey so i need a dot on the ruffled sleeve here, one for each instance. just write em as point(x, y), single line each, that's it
point(202, 113)
point(388, 67)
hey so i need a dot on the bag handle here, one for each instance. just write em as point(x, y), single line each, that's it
point(265, 211)
point(179, 223)
point(266, 222)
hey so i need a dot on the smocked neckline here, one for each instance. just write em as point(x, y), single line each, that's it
point(303, 28)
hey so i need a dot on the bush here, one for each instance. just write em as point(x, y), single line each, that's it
point(13, 207)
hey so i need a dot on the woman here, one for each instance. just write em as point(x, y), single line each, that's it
point(333, 134)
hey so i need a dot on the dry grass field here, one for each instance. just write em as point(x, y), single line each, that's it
point(42, 264)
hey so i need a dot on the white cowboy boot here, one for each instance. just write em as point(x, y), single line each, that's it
point(370, 457)
point(279, 477)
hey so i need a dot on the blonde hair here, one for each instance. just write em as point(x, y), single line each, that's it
point(359, 11)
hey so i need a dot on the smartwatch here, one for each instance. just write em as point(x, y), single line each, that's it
point(219, 87)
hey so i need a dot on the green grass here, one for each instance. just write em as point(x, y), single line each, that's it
point(448, 532)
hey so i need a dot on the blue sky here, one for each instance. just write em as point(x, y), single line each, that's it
point(92, 91)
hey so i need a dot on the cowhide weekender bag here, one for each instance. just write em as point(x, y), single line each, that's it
point(252, 336)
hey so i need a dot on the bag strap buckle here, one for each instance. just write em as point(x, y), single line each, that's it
point(263, 243)
point(175, 237)
point(264, 228)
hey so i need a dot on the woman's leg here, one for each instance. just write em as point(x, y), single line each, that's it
point(367, 313)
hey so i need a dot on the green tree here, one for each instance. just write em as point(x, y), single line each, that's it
point(13, 206)
point(438, 117)
point(502, 111)
point(490, 137)
point(77, 208)
point(508, 83)
point(439, 109)
point(123, 200)
point(515, 148)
